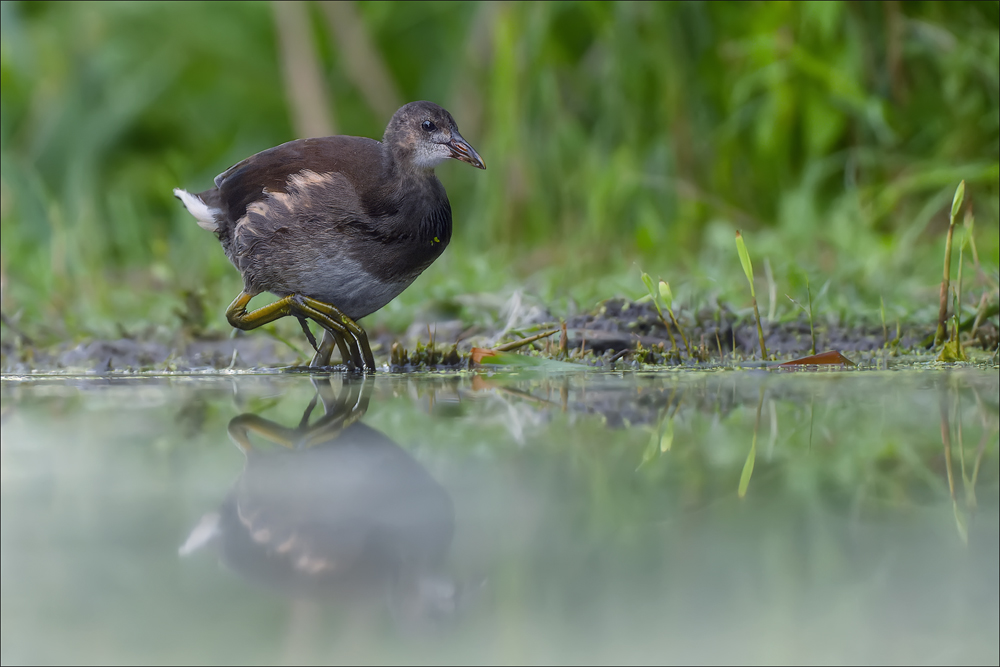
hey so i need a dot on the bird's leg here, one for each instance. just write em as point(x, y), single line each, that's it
point(324, 351)
point(291, 305)
point(308, 333)
point(359, 334)
point(348, 342)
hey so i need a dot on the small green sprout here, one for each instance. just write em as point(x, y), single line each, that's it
point(956, 206)
point(741, 247)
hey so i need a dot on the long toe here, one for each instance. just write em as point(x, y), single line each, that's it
point(356, 357)
point(366, 350)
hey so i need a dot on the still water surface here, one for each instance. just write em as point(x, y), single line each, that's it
point(668, 517)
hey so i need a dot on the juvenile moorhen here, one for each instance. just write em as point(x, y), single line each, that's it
point(336, 226)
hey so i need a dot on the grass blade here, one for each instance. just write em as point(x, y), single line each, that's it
point(956, 205)
point(741, 248)
point(956, 202)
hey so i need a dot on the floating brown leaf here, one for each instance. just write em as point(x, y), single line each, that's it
point(829, 358)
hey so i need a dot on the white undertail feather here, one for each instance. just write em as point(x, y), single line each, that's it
point(199, 209)
point(206, 531)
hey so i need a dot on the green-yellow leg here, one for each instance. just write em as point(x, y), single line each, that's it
point(239, 317)
point(349, 350)
point(324, 350)
point(327, 316)
point(309, 334)
point(357, 333)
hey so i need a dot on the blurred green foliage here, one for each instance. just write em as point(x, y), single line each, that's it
point(616, 135)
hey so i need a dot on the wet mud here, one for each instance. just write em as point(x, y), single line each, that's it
point(617, 333)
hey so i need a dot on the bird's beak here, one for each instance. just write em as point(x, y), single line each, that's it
point(461, 150)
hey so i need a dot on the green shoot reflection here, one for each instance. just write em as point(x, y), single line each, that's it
point(752, 456)
point(947, 408)
point(866, 444)
point(334, 508)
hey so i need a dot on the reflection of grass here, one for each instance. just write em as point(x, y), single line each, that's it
point(614, 133)
point(680, 441)
point(752, 456)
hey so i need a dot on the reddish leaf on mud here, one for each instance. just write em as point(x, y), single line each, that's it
point(478, 354)
point(829, 358)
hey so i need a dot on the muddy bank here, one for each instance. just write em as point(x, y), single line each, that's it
point(618, 332)
point(619, 324)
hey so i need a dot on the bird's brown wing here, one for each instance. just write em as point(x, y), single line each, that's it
point(245, 182)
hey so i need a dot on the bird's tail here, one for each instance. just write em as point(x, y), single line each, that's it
point(206, 215)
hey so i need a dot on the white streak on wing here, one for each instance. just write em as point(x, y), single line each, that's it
point(243, 226)
point(306, 178)
point(199, 209)
point(282, 198)
point(299, 192)
point(298, 184)
point(298, 195)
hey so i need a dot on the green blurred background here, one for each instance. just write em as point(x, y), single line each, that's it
point(619, 137)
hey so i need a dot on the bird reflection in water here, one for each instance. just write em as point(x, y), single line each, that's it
point(337, 509)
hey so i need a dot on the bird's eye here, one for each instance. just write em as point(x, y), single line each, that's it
point(428, 126)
